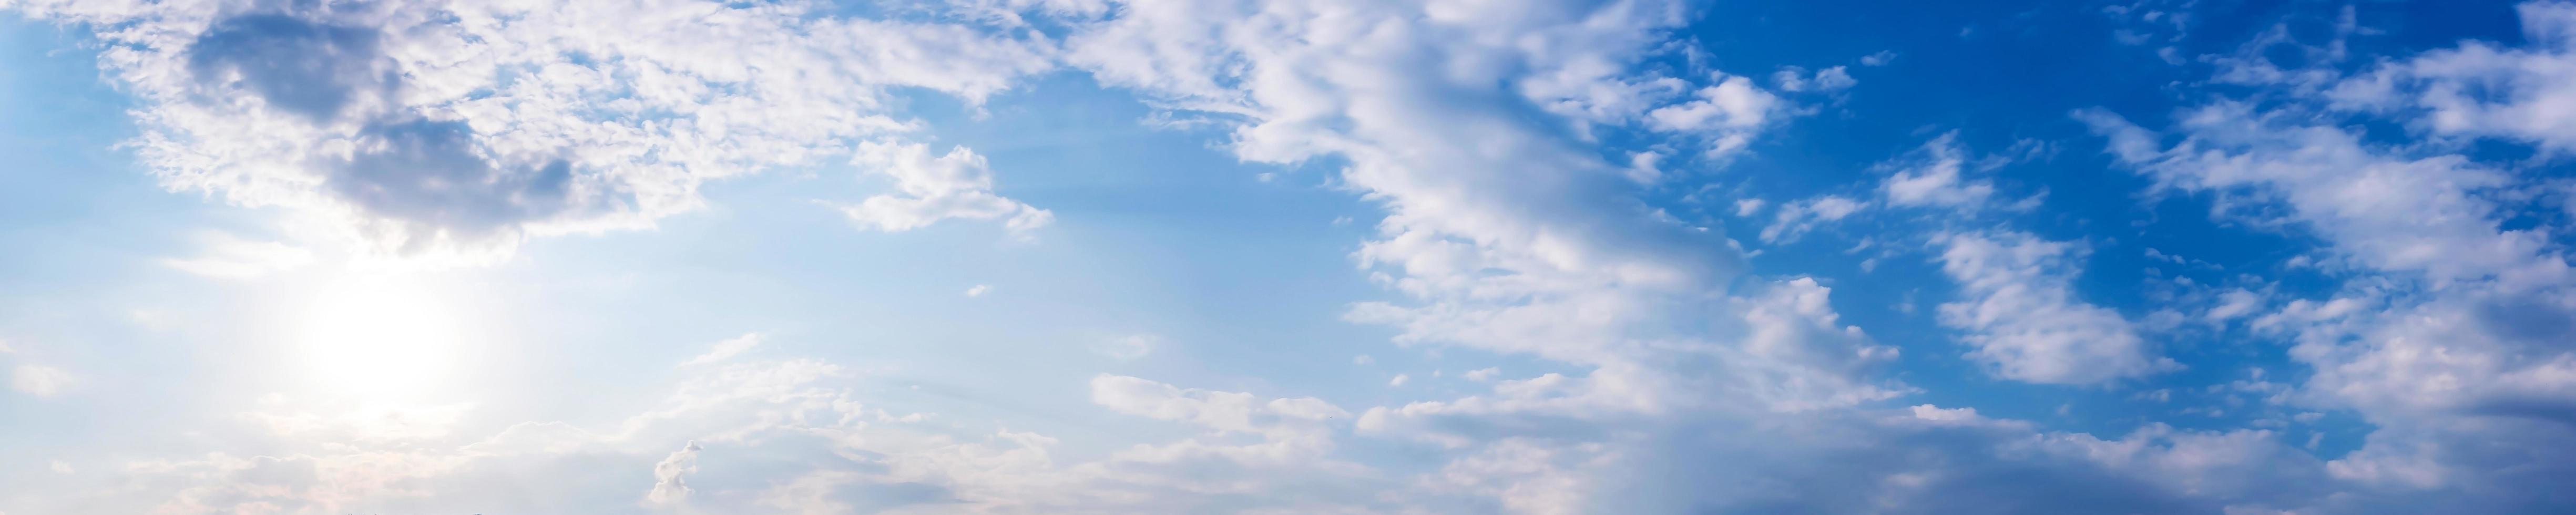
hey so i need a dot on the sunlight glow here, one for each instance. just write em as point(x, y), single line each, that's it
point(380, 336)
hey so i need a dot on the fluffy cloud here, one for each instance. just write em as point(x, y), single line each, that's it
point(458, 127)
point(39, 380)
point(670, 487)
point(2019, 307)
point(2447, 332)
point(33, 378)
point(1934, 180)
point(1651, 355)
point(957, 184)
point(2483, 89)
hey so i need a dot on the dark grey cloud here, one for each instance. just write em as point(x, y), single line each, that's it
point(433, 173)
point(311, 69)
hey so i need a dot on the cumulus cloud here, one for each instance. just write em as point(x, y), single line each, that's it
point(2481, 88)
point(1933, 179)
point(39, 380)
point(957, 184)
point(1729, 112)
point(670, 486)
point(2019, 308)
point(460, 127)
point(2445, 332)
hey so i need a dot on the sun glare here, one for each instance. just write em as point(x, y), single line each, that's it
point(385, 336)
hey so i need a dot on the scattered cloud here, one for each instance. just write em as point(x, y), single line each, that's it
point(727, 349)
point(228, 257)
point(2020, 311)
point(39, 380)
point(957, 184)
point(1127, 348)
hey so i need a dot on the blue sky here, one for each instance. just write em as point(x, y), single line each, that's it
point(1435, 256)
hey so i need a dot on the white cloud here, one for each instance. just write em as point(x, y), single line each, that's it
point(1748, 207)
point(1127, 348)
point(455, 128)
point(1399, 380)
point(2435, 336)
point(39, 380)
point(957, 184)
point(670, 486)
point(2483, 89)
point(1503, 234)
point(1727, 113)
point(1794, 79)
point(1835, 79)
point(979, 290)
point(1795, 218)
point(226, 256)
point(727, 349)
point(1734, 103)
point(1933, 179)
point(2019, 307)
point(1878, 59)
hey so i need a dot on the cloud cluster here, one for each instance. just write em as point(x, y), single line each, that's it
point(2448, 331)
point(458, 127)
point(2020, 311)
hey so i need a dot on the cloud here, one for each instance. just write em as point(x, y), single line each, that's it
point(226, 256)
point(1728, 112)
point(1933, 179)
point(979, 290)
point(39, 380)
point(1795, 79)
point(1506, 231)
point(315, 70)
point(1127, 348)
point(670, 488)
point(1795, 218)
point(2444, 331)
point(727, 349)
point(2019, 308)
point(458, 128)
point(2480, 88)
point(957, 184)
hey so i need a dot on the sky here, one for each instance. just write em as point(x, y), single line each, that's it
point(1322, 256)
